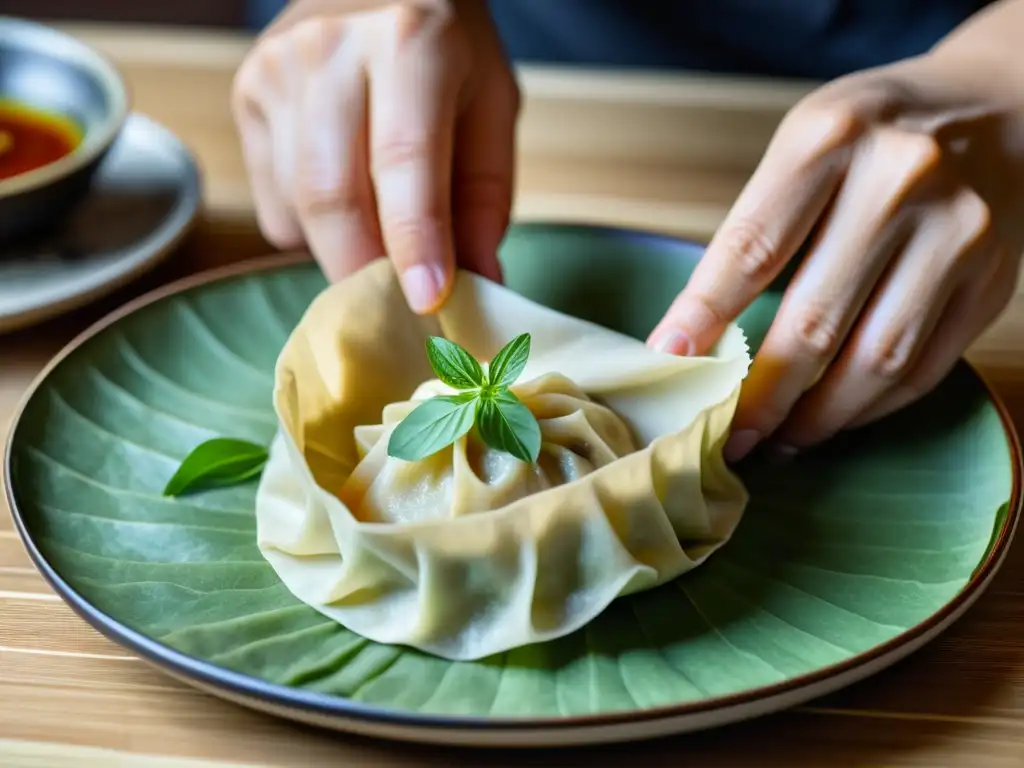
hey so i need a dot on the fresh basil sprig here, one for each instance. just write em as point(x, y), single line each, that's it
point(484, 400)
point(216, 463)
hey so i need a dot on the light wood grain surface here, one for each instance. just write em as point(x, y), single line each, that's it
point(665, 153)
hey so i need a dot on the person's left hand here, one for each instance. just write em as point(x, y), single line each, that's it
point(911, 178)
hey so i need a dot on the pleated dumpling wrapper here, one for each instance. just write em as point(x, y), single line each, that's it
point(470, 552)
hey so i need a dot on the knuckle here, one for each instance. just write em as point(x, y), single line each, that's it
point(405, 234)
point(891, 358)
point(416, 28)
point(245, 79)
point(399, 150)
point(924, 152)
point(408, 226)
point(920, 154)
point(974, 218)
point(246, 87)
point(315, 193)
point(315, 39)
point(318, 186)
point(816, 332)
point(825, 128)
point(750, 251)
point(711, 308)
point(839, 124)
point(414, 20)
point(270, 57)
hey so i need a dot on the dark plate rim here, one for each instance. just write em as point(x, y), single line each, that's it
point(299, 700)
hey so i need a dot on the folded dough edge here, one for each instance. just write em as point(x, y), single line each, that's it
point(537, 569)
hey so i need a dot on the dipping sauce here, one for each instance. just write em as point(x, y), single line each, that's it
point(31, 138)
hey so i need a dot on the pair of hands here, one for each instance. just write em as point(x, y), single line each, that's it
point(372, 128)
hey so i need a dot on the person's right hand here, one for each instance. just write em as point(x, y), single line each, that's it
point(373, 128)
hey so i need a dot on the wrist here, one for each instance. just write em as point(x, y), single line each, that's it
point(963, 64)
point(946, 77)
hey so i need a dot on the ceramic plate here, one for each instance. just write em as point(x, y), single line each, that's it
point(145, 196)
point(846, 560)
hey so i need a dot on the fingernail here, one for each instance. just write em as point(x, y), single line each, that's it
point(674, 342)
point(740, 443)
point(782, 453)
point(423, 285)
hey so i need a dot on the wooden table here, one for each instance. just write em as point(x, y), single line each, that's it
point(658, 153)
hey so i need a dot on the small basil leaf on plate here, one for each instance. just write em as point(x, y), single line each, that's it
point(432, 425)
point(510, 361)
point(453, 364)
point(221, 461)
point(505, 424)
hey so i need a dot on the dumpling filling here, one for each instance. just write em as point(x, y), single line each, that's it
point(578, 436)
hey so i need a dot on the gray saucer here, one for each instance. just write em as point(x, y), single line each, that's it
point(145, 196)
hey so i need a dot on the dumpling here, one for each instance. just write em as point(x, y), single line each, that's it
point(578, 436)
point(470, 552)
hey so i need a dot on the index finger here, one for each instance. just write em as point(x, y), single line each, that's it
point(770, 220)
point(413, 103)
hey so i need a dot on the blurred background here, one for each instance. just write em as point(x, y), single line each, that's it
point(219, 13)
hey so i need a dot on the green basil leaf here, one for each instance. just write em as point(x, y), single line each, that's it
point(505, 424)
point(221, 461)
point(510, 361)
point(434, 424)
point(453, 364)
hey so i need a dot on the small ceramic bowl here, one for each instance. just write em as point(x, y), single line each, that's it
point(50, 71)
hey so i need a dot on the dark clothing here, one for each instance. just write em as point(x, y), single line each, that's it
point(818, 39)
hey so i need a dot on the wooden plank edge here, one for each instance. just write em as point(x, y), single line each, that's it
point(700, 119)
point(35, 753)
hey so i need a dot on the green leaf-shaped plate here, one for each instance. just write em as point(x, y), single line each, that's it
point(846, 560)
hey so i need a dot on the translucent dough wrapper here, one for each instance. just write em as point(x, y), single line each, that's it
point(578, 436)
point(471, 564)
